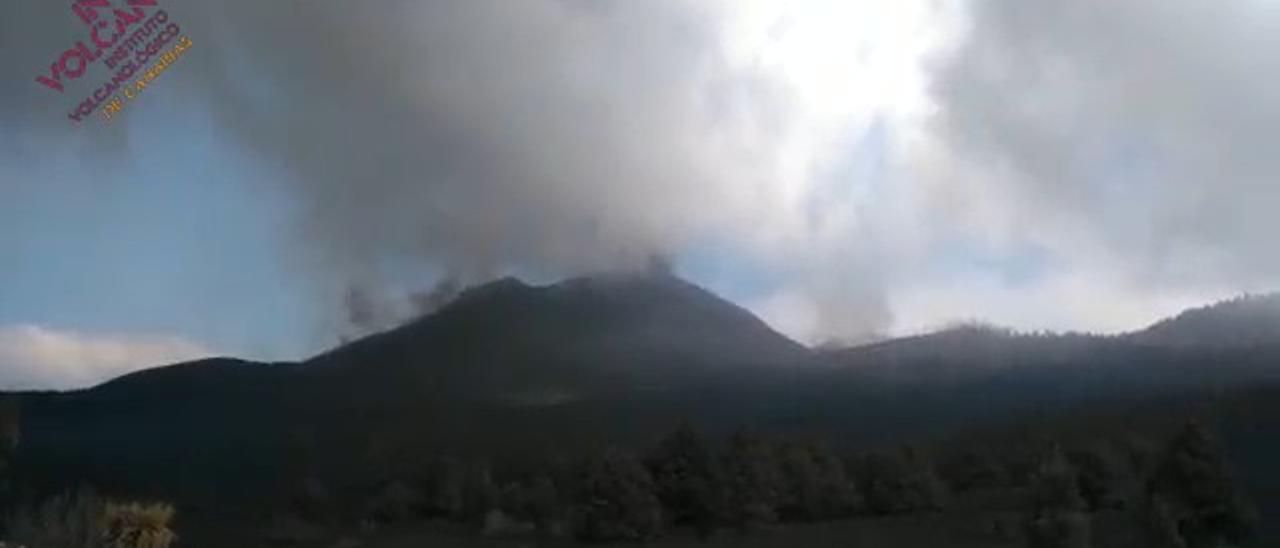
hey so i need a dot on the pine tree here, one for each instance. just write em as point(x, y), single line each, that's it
point(817, 486)
point(1058, 518)
point(687, 479)
point(754, 484)
point(615, 500)
point(9, 437)
point(900, 482)
point(1191, 493)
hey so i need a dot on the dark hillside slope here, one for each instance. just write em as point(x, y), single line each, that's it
point(1240, 322)
point(585, 337)
point(462, 375)
point(514, 370)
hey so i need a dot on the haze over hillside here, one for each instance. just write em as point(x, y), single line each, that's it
point(513, 372)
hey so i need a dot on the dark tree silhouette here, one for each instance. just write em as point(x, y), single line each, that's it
point(754, 484)
point(973, 469)
point(445, 487)
point(10, 435)
point(544, 504)
point(1058, 518)
point(688, 479)
point(817, 486)
point(904, 481)
point(1096, 477)
point(1190, 498)
point(615, 500)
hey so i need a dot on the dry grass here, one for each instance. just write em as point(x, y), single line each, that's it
point(135, 525)
point(84, 520)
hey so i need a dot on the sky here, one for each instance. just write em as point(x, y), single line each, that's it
point(309, 171)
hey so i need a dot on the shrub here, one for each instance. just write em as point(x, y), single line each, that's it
point(135, 525)
point(84, 520)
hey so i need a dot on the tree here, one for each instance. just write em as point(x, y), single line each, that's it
point(544, 506)
point(1096, 475)
point(687, 479)
point(900, 482)
point(754, 484)
point(446, 482)
point(1191, 494)
point(479, 493)
point(972, 470)
point(10, 435)
point(463, 492)
point(615, 499)
point(1058, 518)
point(817, 486)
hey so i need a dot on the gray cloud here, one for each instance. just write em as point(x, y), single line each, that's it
point(553, 137)
point(484, 135)
point(1132, 136)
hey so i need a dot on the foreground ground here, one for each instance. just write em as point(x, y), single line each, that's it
point(953, 529)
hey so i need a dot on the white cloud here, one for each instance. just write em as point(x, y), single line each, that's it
point(35, 358)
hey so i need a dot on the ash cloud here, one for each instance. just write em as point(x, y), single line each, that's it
point(550, 137)
point(1131, 137)
point(1068, 162)
point(485, 135)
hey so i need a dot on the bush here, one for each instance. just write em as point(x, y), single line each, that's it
point(84, 520)
point(135, 525)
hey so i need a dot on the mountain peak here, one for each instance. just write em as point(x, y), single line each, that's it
point(577, 336)
point(1245, 320)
